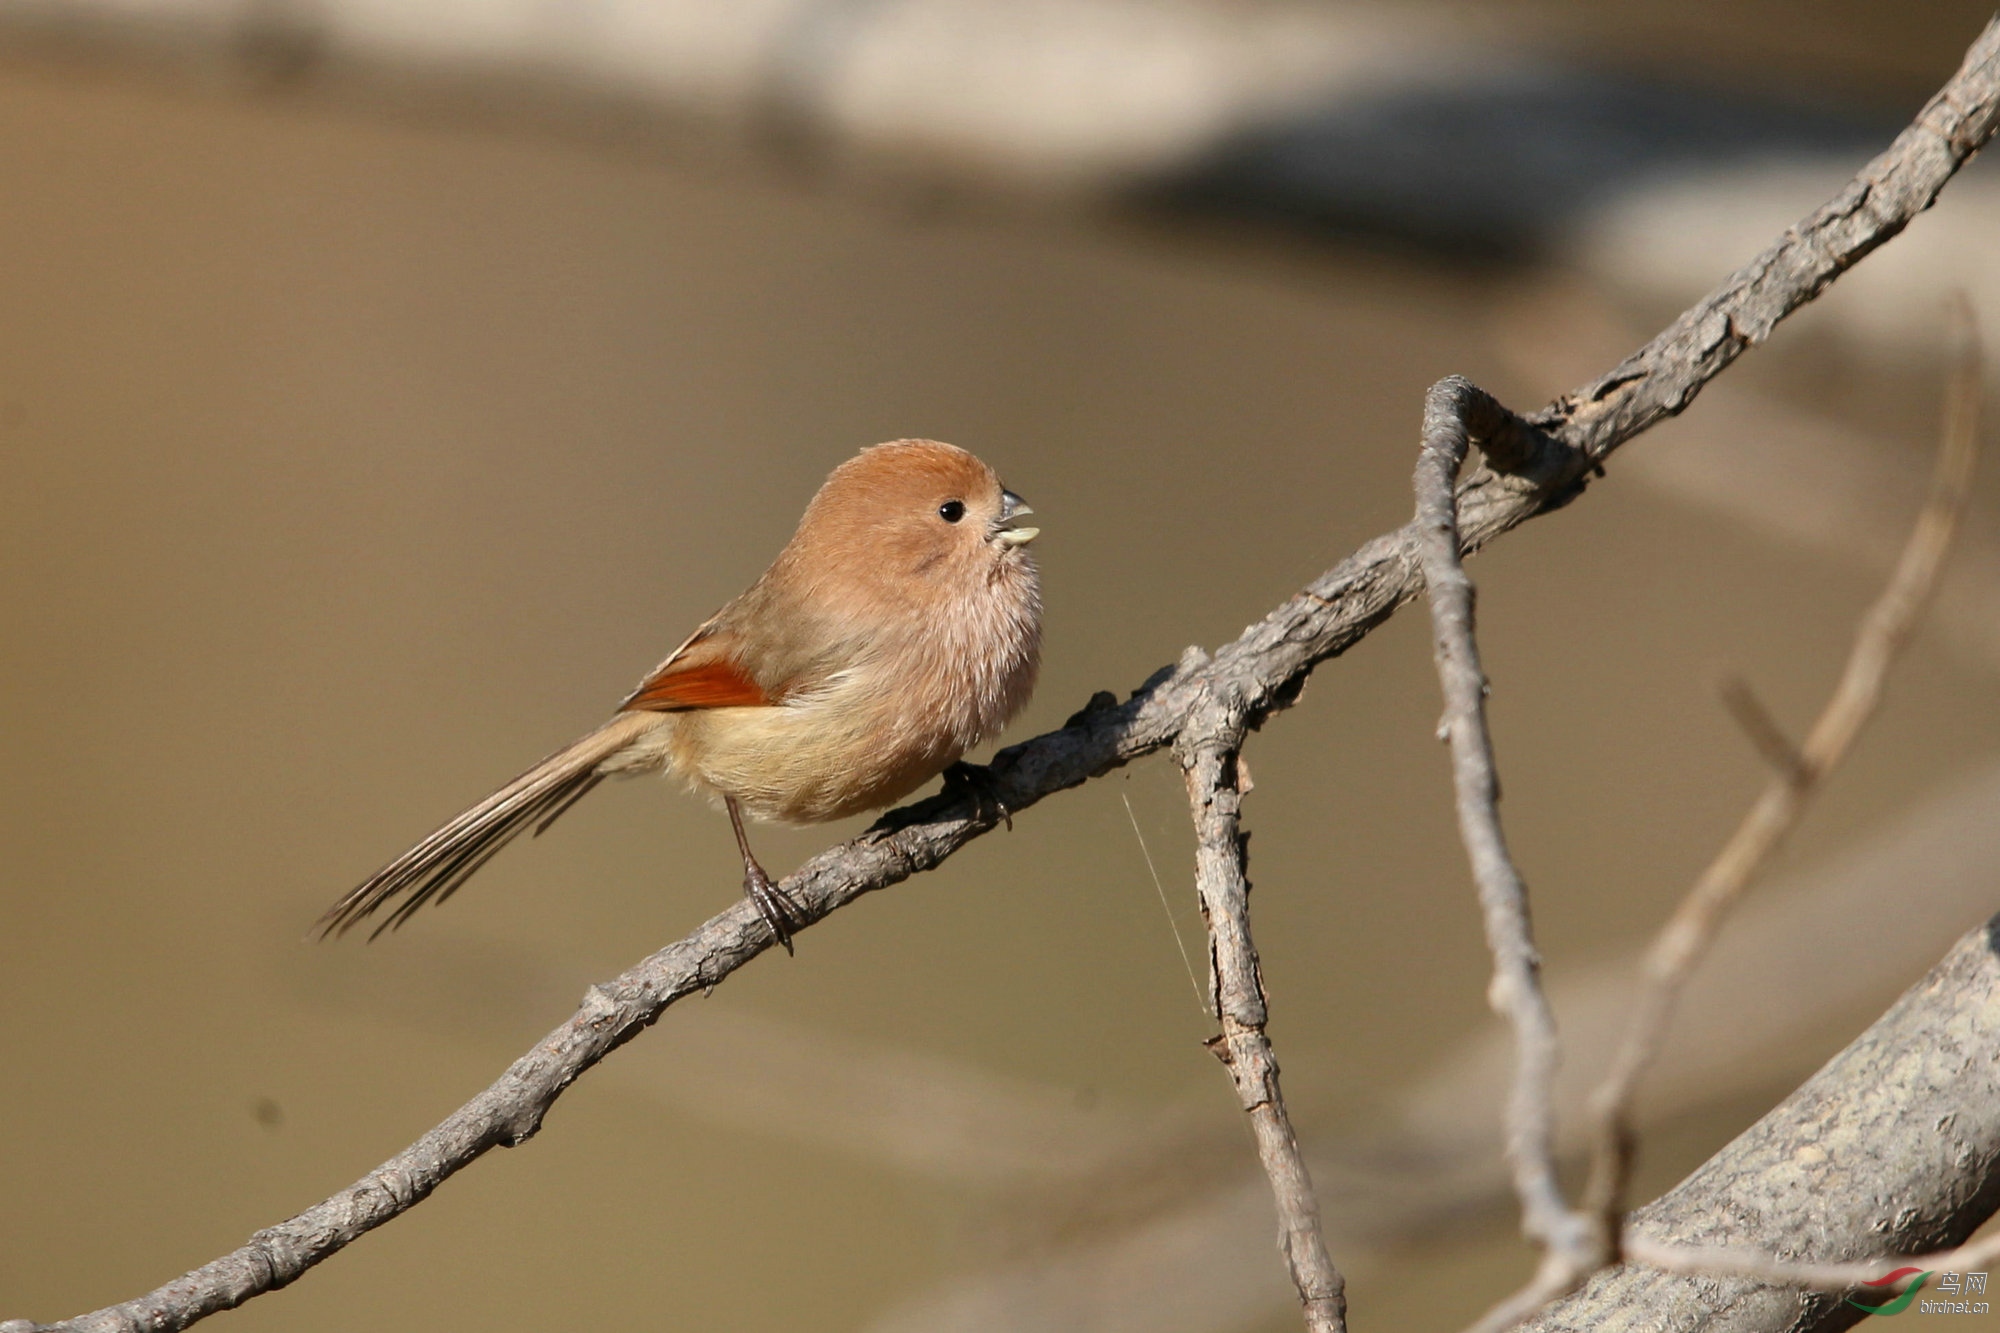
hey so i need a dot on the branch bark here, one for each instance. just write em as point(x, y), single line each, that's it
point(1892, 1148)
point(1264, 670)
point(1578, 1242)
point(1210, 755)
point(1456, 415)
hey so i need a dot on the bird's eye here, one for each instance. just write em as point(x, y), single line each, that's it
point(951, 510)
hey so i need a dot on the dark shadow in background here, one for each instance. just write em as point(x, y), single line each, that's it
point(1501, 168)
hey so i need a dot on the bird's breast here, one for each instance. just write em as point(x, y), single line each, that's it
point(865, 735)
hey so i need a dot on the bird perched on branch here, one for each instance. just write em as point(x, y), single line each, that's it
point(899, 627)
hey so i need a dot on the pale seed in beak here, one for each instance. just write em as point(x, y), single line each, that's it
point(1016, 536)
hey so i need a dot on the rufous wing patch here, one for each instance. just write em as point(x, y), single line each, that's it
point(682, 684)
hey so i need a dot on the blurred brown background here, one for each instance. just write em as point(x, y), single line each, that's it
point(367, 428)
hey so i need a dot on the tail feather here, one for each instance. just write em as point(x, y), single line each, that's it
point(583, 790)
point(434, 869)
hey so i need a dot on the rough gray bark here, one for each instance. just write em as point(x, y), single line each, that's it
point(1260, 673)
point(1210, 755)
point(1457, 415)
point(1892, 1148)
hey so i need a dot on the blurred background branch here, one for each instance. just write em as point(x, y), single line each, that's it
point(1885, 632)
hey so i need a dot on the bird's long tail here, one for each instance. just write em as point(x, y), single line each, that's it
point(432, 870)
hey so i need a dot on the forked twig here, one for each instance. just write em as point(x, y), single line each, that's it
point(1685, 939)
point(1578, 1242)
point(1457, 414)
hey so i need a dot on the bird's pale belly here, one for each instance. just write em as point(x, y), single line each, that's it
point(798, 764)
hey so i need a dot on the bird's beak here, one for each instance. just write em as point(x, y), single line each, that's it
point(1009, 530)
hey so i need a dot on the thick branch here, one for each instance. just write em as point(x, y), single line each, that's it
point(1210, 756)
point(1264, 669)
point(1893, 1148)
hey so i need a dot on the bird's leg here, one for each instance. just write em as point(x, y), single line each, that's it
point(757, 885)
point(977, 781)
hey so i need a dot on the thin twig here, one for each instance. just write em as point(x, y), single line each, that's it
point(1160, 888)
point(1456, 415)
point(1685, 940)
point(1209, 754)
point(1722, 1261)
point(1264, 669)
point(1765, 734)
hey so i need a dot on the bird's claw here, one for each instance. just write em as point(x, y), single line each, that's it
point(770, 902)
point(977, 782)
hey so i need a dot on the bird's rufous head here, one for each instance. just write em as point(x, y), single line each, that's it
point(919, 512)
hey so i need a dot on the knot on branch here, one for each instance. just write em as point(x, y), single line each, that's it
point(1511, 444)
point(1104, 701)
point(271, 1249)
point(523, 1122)
point(599, 1006)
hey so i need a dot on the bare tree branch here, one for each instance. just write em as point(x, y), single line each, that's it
point(1578, 1243)
point(1684, 941)
point(1763, 731)
point(1699, 1261)
point(1209, 751)
point(1456, 415)
point(1261, 672)
point(1892, 1149)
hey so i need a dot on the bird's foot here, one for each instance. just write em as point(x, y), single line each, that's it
point(977, 782)
point(770, 902)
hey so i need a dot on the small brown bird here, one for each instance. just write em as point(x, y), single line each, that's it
point(900, 627)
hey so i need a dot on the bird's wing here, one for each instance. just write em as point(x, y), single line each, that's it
point(701, 673)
